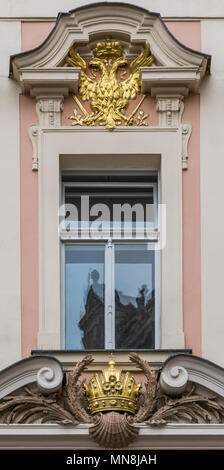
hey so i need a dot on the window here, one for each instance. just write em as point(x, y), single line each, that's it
point(110, 264)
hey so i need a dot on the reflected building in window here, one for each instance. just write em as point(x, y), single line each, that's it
point(92, 322)
point(134, 320)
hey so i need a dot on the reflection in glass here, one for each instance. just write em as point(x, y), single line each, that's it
point(138, 200)
point(84, 297)
point(134, 297)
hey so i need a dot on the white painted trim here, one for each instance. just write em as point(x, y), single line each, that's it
point(182, 76)
point(53, 436)
point(69, 359)
point(109, 296)
point(72, 235)
point(157, 300)
point(64, 78)
point(62, 292)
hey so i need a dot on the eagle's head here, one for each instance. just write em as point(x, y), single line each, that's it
point(120, 62)
point(98, 64)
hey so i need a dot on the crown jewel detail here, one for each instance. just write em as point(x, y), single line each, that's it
point(112, 390)
point(108, 48)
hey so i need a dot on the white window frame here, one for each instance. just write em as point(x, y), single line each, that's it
point(147, 148)
point(69, 238)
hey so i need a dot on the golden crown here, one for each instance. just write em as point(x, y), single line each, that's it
point(108, 48)
point(112, 390)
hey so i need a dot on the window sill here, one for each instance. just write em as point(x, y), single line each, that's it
point(69, 358)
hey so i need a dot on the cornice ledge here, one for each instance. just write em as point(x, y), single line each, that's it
point(179, 369)
point(98, 129)
point(69, 358)
point(171, 79)
point(46, 372)
point(53, 436)
point(61, 80)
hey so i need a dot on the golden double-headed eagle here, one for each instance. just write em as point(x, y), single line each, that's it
point(108, 95)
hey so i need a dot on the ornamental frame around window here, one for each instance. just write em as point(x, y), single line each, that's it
point(69, 238)
point(143, 148)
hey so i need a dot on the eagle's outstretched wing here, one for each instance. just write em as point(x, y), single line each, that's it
point(131, 86)
point(86, 85)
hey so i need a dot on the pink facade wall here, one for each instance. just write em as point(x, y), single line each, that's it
point(192, 231)
point(33, 34)
point(29, 229)
point(189, 33)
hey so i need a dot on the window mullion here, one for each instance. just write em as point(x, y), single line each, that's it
point(109, 296)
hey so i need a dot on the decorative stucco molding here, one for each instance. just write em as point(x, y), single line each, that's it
point(49, 110)
point(169, 104)
point(180, 369)
point(61, 78)
point(34, 134)
point(175, 65)
point(134, 25)
point(45, 371)
point(99, 405)
point(170, 109)
point(54, 437)
point(186, 133)
point(182, 76)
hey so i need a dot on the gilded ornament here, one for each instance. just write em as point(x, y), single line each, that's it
point(108, 49)
point(113, 389)
point(77, 118)
point(108, 96)
point(141, 118)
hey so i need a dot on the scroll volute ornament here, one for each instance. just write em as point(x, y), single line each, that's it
point(108, 95)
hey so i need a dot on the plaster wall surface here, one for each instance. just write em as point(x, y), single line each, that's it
point(10, 308)
point(173, 8)
point(212, 195)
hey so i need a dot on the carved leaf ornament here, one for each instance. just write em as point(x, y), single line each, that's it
point(112, 403)
point(108, 95)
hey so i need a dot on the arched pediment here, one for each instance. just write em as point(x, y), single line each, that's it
point(134, 27)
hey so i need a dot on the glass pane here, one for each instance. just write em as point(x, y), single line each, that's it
point(119, 207)
point(84, 296)
point(134, 297)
